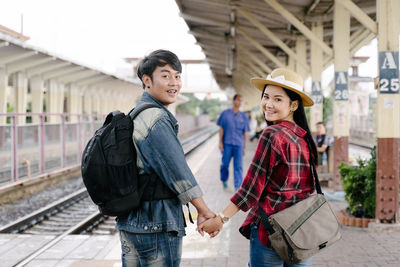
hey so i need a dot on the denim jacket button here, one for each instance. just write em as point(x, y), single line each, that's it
point(145, 228)
point(155, 228)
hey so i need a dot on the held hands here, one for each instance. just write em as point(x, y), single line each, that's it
point(211, 226)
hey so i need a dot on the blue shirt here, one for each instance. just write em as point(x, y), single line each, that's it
point(159, 151)
point(234, 125)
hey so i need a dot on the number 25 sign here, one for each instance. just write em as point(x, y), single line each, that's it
point(389, 72)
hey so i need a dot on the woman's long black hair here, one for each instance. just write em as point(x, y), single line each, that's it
point(300, 119)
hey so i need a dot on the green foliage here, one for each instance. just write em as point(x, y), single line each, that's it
point(327, 107)
point(195, 106)
point(359, 183)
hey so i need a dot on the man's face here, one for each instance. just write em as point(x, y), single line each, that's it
point(320, 128)
point(237, 102)
point(165, 85)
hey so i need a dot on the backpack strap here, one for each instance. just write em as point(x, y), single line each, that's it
point(135, 111)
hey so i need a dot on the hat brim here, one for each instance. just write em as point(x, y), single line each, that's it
point(260, 83)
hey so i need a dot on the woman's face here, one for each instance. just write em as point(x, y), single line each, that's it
point(277, 105)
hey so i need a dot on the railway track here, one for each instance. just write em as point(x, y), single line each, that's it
point(76, 213)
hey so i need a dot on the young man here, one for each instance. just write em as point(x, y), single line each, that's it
point(233, 125)
point(152, 234)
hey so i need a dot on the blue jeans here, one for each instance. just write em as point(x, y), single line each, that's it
point(160, 249)
point(261, 256)
point(237, 153)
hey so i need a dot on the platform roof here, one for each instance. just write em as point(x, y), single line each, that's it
point(245, 38)
point(19, 56)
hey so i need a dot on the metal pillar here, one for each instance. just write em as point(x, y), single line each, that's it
point(388, 119)
point(341, 46)
point(316, 73)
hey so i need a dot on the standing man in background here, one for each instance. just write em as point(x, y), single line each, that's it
point(233, 125)
point(321, 141)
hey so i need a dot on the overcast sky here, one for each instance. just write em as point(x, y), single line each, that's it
point(100, 33)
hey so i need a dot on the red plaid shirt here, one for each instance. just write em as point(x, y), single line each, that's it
point(281, 167)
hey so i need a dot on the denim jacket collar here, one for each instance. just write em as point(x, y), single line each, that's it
point(147, 98)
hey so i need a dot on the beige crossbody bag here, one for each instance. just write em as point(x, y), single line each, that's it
point(302, 230)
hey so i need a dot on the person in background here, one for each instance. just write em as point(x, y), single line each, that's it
point(322, 142)
point(233, 125)
point(280, 174)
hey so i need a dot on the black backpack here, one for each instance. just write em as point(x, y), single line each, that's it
point(109, 169)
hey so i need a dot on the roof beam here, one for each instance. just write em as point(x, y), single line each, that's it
point(257, 71)
point(255, 59)
point(78, 76)
point(16, 56)
point(360, 15)
point(203, 20)
point(61, 72)
point(271, 36)
point(14, 67)
point(262, 49)
point(300, 26)
point(46, 68)
point(206, 35)
point(93, 80)
point(356, 46)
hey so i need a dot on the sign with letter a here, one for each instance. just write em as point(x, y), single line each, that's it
point(341, 86)
point(316, 92)
point(389, 72)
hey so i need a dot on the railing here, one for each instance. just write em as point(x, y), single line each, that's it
point(50, 142)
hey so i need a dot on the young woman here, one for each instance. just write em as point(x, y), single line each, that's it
point(281, 166)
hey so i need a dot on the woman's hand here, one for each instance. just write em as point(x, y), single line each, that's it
point(212, 226)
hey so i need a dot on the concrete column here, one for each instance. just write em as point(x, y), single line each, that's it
point(37, 86)
point(74, 102)
point(301, 51)
point(316, 74)
point(105, 103)
point(3, 94)
point(52, 101)
point(341, 47)
point(87, 102)
point(21, 91)
point(388, 109)
point(60, 98)
point(291, 63)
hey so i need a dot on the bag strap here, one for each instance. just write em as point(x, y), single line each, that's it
point(264, 216)
point(135, 111)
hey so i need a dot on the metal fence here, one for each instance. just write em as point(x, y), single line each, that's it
point(51, 142)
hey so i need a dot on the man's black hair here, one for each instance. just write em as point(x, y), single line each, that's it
point(158, 58)
point(300, 118)
point(236, 96)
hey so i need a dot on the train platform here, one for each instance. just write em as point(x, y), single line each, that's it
point(358, 246)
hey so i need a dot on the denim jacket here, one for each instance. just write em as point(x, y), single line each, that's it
point(159, 151)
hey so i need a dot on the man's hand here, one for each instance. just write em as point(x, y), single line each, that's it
point(221, 147)
point(212, 226)
point(202, 217)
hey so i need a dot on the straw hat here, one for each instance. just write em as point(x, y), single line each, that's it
point(286, 79)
